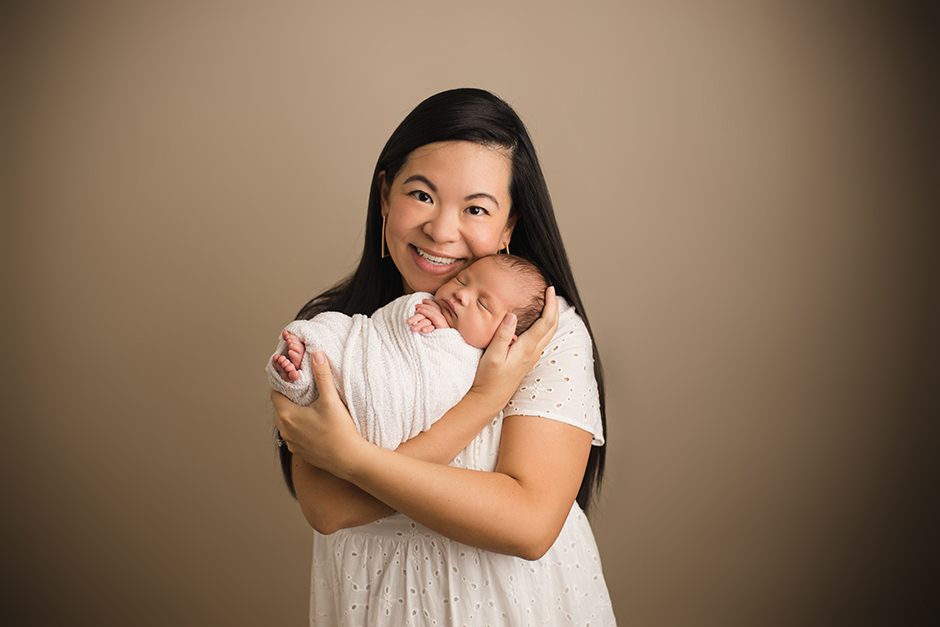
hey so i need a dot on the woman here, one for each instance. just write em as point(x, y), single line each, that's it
point(402, 537)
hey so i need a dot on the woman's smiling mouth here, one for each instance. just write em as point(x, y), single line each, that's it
point(433, 259)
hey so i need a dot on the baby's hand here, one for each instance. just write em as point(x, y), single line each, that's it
point(288, 366)
point(427, 317)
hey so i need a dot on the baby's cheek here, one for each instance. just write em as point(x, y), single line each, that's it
point(481, 336)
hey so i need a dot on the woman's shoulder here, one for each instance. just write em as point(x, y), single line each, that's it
point(571, 327)
point(561, 385)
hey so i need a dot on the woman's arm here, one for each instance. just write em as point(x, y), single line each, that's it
point(330, 503)
point(518, 510)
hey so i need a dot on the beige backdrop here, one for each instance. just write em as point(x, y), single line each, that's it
point(749, 197)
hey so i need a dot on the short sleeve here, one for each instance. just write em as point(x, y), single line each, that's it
point(561, 385)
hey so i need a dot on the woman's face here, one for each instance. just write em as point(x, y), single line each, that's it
point(447, 207)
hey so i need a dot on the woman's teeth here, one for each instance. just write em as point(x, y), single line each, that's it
point(437, 261)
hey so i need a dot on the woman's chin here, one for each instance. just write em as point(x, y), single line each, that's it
point(425, 284)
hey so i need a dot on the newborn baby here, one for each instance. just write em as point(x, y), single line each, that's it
point(401, 369)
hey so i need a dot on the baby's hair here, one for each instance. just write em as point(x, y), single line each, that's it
point(533, 286)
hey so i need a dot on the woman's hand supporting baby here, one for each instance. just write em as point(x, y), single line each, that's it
point(505, 362)
point(310, 433)
point(315, 433)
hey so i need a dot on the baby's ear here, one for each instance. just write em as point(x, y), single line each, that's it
point(513, 340)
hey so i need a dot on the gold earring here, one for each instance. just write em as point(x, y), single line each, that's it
point(504, 251)
point(384, 252)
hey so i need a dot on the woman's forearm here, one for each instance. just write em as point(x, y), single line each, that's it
point(518, 510)
point(330, 503)
point(454, 431)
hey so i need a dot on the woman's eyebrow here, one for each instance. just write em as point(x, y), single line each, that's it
point(423, 179)
point(483, 195)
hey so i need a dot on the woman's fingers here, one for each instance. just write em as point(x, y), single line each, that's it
point(499, 345)
point(319, 433)
point(282, 407)
point(542, 330)
point(505, 361)
point(534, 340)
point(326, 388)
point(549, 315)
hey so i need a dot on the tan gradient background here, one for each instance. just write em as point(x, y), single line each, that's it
point(749, 194)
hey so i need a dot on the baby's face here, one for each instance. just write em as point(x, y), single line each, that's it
point(476, 300)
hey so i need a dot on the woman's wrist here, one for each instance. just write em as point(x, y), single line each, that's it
point(350, 458)
point(486, 400)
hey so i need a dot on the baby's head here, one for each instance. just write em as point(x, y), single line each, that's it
point(479, 297)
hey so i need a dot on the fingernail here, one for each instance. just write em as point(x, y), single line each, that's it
point(509, 319)
point(319, 357)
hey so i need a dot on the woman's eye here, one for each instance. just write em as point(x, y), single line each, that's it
point(477, 211)
point(421, 196)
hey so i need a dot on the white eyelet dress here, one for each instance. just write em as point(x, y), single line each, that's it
point(395, 572)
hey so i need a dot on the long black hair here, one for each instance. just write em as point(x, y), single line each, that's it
point(480, 117)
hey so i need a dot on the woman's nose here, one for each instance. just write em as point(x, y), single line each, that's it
point(443, 227)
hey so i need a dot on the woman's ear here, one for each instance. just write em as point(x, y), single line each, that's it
point(383, 192)
point(506, 235)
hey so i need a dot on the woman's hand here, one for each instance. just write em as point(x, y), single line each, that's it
point(323, 432)
point(505, 363)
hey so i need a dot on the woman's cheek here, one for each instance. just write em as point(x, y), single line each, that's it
point(482, 246)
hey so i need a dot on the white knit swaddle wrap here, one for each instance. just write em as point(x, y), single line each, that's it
point(394, 381)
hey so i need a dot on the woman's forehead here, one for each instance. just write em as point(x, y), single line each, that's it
point(459, 163)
